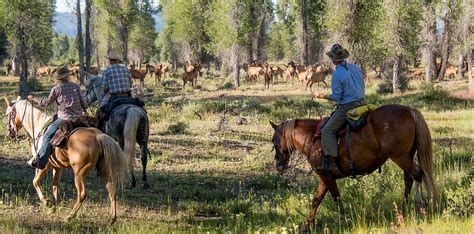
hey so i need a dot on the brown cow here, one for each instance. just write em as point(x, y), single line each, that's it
point(377, 70)
point(318, 75)
point(267, 75)
point(191, 73)
point(8, 68)
point(94, 70)
point(138, 74)
point(253, 71)
point(41, 71)
point(451, 72)
point(416, 74)
point(277, 71)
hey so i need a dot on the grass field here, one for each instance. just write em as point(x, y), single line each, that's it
point(211, 169)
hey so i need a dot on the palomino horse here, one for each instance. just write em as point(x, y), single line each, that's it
point(391, 131)
point(86, 148)
point(128, 124)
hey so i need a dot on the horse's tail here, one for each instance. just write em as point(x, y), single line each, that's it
point(424, 152)
point(130, 133)
point(116, 163)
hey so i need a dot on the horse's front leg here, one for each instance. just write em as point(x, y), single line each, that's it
point(56, 178)
point(320, 193)
point(40, 173)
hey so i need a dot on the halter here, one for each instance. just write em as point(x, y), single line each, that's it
point(12, 131)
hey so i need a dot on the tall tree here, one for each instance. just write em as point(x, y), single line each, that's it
point(403, 18)
point(449, 19)
point(303, 25)
point(88, 51)
point(79, 41)
point(29, 31)
point(120, 16)
point(428, 37)
point(143, 34)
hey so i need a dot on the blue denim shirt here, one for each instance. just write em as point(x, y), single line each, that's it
point(347, 83)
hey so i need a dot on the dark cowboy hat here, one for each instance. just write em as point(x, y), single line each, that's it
point(337, 53)
point(61, 72)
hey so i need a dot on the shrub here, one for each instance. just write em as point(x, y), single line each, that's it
point(226, 86)
point(433, 92)
point(34, 84)
point(386, 85)
point(177, 128)
point(461, 199)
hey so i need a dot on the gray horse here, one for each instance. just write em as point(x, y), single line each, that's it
point(128, 124)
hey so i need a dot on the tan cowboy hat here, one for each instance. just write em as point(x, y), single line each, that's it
point(337, 53)
point(61, 72)
point(113, 54)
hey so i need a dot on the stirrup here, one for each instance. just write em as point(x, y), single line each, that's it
point(33, 162)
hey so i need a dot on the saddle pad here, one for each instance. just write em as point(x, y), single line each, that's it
point(356, 113)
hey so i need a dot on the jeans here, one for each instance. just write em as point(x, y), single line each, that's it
point(332, 127)
point(46, 148)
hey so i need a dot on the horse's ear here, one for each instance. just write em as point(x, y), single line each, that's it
point(7, 102)
point(274, 126)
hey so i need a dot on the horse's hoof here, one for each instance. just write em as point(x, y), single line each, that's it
point(146, 185)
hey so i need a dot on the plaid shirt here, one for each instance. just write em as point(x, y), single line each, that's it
point(118, 79)
point(69, 98)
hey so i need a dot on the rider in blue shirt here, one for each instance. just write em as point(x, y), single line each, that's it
point(348, 91)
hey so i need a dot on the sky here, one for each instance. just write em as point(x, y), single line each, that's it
point(65, 5)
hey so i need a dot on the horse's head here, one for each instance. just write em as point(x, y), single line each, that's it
point(13, 119)
point(281, 148)
point(94, 90)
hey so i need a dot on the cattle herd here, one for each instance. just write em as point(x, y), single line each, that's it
point(254, 71)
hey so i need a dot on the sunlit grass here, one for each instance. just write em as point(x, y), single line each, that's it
point(210, 171)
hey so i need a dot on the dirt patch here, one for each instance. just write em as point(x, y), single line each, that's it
point(464, 95)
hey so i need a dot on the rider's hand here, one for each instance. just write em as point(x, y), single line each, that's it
point(30, 98)
point(319, 95)
point(105, 89)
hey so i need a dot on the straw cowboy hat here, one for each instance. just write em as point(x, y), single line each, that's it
point(61, 72)
point(337, 53)
point(113, 54)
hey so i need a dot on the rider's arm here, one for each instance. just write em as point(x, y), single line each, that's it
point(105, 86)
point(53, 96)
point(83, 102)
point(336, 88)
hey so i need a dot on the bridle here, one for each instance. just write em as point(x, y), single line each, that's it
point(11, 114)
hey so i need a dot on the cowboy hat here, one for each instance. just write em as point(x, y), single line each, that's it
point(337, 53)
point(113, 54)
point(61, 72)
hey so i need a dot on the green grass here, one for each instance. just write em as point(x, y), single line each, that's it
point(210, 172)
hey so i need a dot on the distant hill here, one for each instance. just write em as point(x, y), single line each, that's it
point(66, 23)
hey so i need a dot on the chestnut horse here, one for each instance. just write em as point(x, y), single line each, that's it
point(86, 149)
point(391, 131)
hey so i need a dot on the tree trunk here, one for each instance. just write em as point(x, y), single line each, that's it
point(80, 44)
point(396, 74)
point(470, 57)
point(16, 66)
point(429, 41)
point(235, 63)
point(261, 39)
point(446, 40)
point(23, 89)
point(88, 52)
point(461, 68)
point(124, 38)
point(303, 32)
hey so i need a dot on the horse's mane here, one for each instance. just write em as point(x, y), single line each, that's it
point(29, 113)
point(288, 132)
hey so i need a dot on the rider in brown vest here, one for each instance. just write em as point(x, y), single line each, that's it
point(71, 103)
point(348, 91)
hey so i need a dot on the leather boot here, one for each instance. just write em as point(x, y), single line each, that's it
point(328, 165)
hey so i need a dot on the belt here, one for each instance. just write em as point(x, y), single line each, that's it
point(356, 102)
point(121, 94)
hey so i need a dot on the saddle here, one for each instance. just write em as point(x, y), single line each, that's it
point(355, 120)
point(68, 127)
point(117, 101)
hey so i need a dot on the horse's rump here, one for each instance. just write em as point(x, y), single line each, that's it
point(118, 117)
